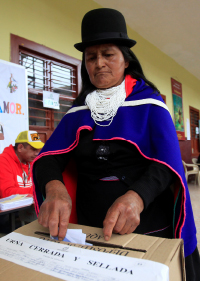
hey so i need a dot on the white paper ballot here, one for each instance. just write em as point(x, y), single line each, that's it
point(75, 236)
point(71, 263)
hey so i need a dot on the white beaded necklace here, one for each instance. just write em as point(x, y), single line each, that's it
point(104, 104)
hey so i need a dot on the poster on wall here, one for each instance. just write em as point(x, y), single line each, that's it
point(13, 102)
point(178, 108)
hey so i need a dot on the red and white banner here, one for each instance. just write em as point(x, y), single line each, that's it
point(13, 102)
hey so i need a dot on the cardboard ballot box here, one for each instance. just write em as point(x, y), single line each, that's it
point(165, 251)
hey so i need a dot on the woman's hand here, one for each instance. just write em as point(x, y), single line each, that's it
point(56, 209)
point(124, 215)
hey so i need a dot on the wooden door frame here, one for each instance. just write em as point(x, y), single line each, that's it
point(194, 153)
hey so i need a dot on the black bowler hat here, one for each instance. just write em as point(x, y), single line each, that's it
point(102, 26)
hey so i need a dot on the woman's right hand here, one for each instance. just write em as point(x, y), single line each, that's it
point(56, 209)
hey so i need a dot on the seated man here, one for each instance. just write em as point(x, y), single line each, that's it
point(15, 162)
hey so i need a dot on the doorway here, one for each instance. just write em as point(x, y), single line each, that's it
point(194, 131)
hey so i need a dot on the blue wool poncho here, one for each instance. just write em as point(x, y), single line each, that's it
point(145, 122)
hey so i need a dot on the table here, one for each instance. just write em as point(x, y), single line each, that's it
point(11, 213)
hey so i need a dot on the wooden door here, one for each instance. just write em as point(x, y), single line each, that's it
point(194, 128)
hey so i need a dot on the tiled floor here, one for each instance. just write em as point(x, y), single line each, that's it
point(195, 199)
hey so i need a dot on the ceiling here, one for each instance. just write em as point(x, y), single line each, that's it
point(173, 26)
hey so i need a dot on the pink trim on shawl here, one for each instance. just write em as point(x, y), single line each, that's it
point(71, 147)
point(35, 199)
point(156, 160)
point(182, 202)
point(157, 230)
point(129, 84)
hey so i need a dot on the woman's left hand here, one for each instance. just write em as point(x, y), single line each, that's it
point(124, 215)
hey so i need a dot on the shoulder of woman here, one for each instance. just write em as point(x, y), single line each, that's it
point(141, 90)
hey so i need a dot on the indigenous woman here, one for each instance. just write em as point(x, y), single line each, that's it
point(122, 139)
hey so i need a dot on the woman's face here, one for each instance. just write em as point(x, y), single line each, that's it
point(105, 65)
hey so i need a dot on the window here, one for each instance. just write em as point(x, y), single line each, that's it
point(50, 71)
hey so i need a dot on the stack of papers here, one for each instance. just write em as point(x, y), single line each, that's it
point(15, 201)
point(74, 236)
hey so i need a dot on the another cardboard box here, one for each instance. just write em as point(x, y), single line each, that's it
point(166, 251)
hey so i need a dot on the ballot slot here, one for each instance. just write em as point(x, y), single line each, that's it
point(95, 243)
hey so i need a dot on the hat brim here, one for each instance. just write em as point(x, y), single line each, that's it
point(118, 41)
point(36, 145)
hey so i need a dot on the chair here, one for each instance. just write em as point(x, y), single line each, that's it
point(194, 160)
point(194, 171)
